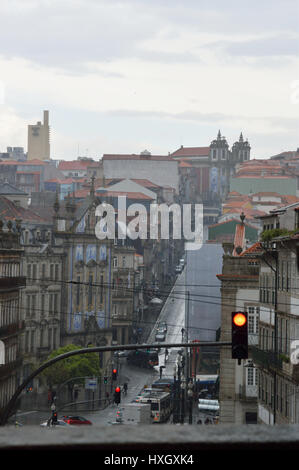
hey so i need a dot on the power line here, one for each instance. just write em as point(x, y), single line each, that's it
point(150, 290)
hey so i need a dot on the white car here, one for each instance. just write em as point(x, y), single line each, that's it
point(59, 424)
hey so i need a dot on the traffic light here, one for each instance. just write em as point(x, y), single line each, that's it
point(239, 336)
point(114, 374)
point(117, 393)
point(54, 417)
point(105, 379)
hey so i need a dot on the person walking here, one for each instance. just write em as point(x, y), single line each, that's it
point(125, 388)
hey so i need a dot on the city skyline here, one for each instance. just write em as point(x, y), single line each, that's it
point(126, 76)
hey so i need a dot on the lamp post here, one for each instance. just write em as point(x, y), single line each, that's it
point(190, 400)
point(183, 389)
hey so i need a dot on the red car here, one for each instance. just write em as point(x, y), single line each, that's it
point(75, 420)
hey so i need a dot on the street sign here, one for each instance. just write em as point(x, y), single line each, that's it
point(91, 384)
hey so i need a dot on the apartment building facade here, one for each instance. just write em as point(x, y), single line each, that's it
point(11, 326)
point(43, 265)
point(239, 292)
point(276, 353)
point(86, 296)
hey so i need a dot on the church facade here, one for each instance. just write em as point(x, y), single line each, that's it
point(214, 165)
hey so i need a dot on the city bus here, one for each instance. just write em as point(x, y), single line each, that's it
point(208, 411)
point(207, 385)
point(161, 404)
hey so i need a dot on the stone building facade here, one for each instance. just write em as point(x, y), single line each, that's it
point(276, 354)
point(41, 301)
point(86, 292)
point(239, 292)
point(11, 326)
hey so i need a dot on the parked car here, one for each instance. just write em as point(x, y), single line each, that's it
point(182, 262)
point(75, 420)
point(121, 353)
point(162, 325)
point(60, 423)
point(160, 336)
point(178, 269)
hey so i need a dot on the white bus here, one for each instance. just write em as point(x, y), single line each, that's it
point(208, 411)
point(161, 404)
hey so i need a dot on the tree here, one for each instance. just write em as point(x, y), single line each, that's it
point(85, 365)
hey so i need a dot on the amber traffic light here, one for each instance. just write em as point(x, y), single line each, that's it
point(239, 319)
point(239, 336)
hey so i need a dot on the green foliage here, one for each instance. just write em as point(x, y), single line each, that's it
point(80, 365)
point(268, 235)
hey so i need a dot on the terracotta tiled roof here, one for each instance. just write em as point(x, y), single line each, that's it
point(256, 247)
point(133, 156)
point(74, 165)
point(146, 183)
point(9, 211)
point(192, 152)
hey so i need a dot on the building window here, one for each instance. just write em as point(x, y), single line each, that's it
point(78, 291)
point(43, 271)
point(56, 272)
point(34, 271)
point(42, 305)
point(101, 289)
point(90, 290)
point(115, 263)
point(253, 320)
point(41, 338)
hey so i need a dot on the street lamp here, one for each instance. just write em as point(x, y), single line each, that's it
point(183, 388)
point(190, 400)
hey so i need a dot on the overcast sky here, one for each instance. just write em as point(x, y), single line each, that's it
point(129, 75)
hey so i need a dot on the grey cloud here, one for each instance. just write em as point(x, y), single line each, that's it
point(68, 34)
point(280, 45)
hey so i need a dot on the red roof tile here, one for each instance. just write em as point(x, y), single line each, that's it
point(192, 152)
point(133, 156)
point(256, 247)
point(74, 165)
